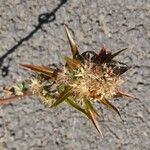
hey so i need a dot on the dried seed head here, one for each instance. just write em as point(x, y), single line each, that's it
point(86, 78)
point(35, 86)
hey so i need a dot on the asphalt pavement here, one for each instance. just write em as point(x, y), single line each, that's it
point(33, 32)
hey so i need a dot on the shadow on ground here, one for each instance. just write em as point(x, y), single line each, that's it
point(43, 18)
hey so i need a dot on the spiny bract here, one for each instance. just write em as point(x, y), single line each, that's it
point(86, 78)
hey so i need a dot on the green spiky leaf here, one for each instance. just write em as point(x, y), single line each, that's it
point(72, 63)
point(122, 94)
point(92, 115)
point(117, 53)
point(76, 106)
point(40, 69)
point(89, 105)
point(63, 96)
point(74, 48)
point(110, 105)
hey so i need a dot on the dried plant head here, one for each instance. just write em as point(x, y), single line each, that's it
point(86, 78)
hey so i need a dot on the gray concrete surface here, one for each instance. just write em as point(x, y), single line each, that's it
point(26, 124)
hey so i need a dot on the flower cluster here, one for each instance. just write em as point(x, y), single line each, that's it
point(86, 78)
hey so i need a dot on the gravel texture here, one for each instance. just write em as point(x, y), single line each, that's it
point(31, 31)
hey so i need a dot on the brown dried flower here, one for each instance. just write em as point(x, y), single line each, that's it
point(86, 78)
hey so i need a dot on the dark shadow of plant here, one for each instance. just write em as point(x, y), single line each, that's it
point(43, 18)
